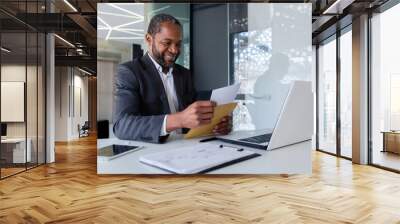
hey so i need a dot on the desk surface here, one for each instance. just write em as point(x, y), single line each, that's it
point(293, 159)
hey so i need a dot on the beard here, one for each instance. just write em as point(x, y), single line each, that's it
point(160, 57)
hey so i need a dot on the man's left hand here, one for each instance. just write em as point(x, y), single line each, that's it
point(224, 126)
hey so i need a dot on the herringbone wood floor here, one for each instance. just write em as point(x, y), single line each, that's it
point(70, 191)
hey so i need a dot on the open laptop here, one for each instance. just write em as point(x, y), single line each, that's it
point(294, 124)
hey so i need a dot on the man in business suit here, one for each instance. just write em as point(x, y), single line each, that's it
point(153, 96)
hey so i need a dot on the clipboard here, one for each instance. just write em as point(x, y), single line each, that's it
point(201, 158)
point(220, 111)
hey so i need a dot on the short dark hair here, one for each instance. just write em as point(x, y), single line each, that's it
point(155, 23)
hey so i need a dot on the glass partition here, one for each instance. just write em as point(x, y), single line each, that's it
point(270, 46)
point(13, 105)
point(22, 88)
point(327, 96)
point(31, 98)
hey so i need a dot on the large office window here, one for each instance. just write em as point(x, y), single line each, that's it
point(346, 92)
point(335, 94)
point(327, 95)
point(385, 89)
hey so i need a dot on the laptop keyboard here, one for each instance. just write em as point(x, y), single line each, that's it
point(258, 139)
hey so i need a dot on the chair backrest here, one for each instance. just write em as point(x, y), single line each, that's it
point(85, 125)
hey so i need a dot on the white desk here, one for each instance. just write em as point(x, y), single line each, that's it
point(19, 149)
point(293, 159)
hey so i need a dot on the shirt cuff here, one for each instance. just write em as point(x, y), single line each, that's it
point(163, 131)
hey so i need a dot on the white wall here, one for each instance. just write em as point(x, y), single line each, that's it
point(61, 103)
point(70, 83)
point(17, 73)
point(79, 117)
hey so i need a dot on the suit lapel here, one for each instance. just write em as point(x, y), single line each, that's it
point(178, 83)
point(153, 73)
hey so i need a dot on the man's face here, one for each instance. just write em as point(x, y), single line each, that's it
point(165, 45)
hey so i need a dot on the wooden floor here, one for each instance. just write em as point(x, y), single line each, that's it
point(5, 172)
point(70, 191)
point(387, 159)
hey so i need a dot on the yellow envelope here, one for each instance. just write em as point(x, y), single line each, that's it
point(220, 111)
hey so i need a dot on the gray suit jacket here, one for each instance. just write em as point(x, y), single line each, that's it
point(140, 101)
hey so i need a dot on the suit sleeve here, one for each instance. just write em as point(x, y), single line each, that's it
point(190, 93)
point(129, 123)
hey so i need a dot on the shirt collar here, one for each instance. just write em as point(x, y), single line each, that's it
point(159, 67)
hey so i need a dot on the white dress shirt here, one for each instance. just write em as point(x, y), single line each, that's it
point(169, 87)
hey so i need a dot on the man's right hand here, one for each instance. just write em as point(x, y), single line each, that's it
point(196, 114)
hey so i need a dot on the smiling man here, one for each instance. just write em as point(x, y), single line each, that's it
point(153, 96)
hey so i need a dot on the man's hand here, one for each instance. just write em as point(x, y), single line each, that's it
point(224, 126)
point(196, 114)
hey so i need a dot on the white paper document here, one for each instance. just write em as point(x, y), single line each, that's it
point(225, 95)
point(200, 158)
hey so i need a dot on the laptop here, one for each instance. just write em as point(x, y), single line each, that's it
point(295, 122)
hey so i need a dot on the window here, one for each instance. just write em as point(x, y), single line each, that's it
point(346, 93)
point(266, 57)
point(327, 96)
point(385, 88)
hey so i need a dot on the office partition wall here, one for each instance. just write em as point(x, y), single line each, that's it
point(265, 57)
point(22, 77)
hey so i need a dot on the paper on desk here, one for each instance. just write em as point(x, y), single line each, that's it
point(195, 158)
point(225, 95)
point(220, 111)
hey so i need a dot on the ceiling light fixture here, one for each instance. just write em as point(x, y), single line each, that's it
point(337, 7)
point(70, 5)
point(125, 38)
point(64, 40)
point(5, 50)
point(84, 71)
point(127, 11)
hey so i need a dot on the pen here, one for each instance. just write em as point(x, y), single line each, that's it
point(238, 149)
point(208, 139)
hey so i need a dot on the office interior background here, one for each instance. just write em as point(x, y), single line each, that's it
point(48, 81)
point(28, 48)
point(49, 84)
